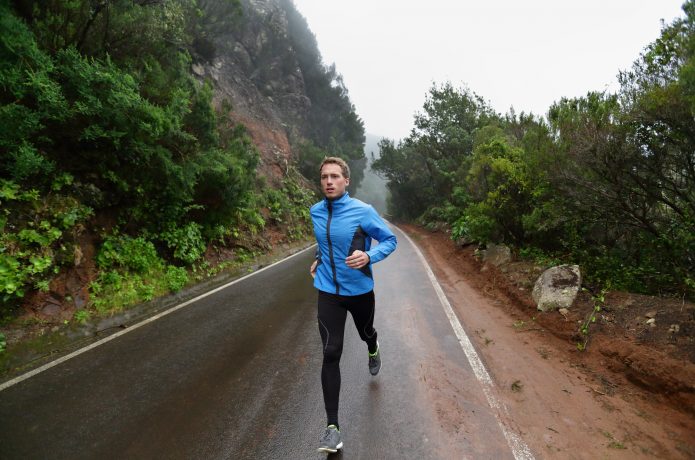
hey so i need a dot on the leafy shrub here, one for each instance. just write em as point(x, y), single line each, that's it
point(82, 316)
point(176, 278)
point(538, 256)
point(145, 291)
point(12, 278)
point(476, 224)
point(187, 242)
point(133, 254)
point(33, 228)
point(252, 219)
point(289, 205)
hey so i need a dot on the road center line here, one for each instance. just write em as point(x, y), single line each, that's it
point(61, 360)
point(519, 448)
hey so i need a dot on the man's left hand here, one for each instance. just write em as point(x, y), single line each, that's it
point(358, 259)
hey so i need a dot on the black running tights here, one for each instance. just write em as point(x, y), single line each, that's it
point(332, 312)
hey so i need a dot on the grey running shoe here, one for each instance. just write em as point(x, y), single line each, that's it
point(331, 441)
point(375, 361)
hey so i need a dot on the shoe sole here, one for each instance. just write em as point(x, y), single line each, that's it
point(329, 450)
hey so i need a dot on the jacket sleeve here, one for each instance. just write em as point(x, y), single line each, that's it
point(377, 229)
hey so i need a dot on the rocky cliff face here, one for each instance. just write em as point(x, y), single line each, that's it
point(257, 71)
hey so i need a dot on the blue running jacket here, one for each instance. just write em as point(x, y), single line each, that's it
point(342, 226)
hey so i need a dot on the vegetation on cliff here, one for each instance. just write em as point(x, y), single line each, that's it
point(607, 180)
point(107, 137)
point(332, 125)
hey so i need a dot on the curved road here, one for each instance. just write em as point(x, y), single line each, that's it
point(236, 375)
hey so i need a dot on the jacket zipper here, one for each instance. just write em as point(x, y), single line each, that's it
point(330, 247)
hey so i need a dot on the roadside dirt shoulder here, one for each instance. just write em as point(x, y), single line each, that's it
point(618, 399)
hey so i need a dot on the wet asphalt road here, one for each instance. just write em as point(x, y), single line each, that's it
point(236, 375)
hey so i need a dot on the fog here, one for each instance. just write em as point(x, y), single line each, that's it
point(372, 189)
point(525, 54)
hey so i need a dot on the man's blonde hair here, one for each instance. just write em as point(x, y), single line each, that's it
point(336, 161)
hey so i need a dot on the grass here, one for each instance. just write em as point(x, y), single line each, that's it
point(614, 443)
point(82, 316)
point(481, 333)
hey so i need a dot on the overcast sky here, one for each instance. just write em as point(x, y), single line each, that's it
point(521, 53)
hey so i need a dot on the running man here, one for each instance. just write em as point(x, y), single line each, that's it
point(344, 228)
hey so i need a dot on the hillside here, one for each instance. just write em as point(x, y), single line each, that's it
point(130, 169)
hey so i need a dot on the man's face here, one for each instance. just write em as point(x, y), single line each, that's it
point(333, 183)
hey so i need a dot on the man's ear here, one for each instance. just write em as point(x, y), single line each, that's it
point(347, 181)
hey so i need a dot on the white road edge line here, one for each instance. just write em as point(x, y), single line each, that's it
point(519, 448)
point(58, 361)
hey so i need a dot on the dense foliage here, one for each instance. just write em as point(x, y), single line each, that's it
point(607, 180)
point(103, 129)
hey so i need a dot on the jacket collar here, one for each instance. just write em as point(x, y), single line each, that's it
point(338, 202)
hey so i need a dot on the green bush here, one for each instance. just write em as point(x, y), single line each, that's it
point(176, 278)
point(186, 242)
point(12, 278)
point(82, 316)
point(289, 205)
point(137, 255)
point(34, 229)
point(538, 256)
point(141, 132)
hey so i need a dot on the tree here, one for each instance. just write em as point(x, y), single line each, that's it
point(430, 162)
point(627, 162)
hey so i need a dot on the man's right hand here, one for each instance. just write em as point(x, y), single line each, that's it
point(312, 270)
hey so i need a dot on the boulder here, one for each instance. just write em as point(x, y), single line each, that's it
point(557, 287)
point(51, 309)
point(198, 70)
point(497, 254)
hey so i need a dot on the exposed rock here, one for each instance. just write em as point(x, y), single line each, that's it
point(77, 252)
point(463, 242)
point(557, 287)
point(263, 83)
point(81, 298)
point(51, 310)
point(651, 322)
point(497, 254)
point(650, 314)
point(198, 69)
